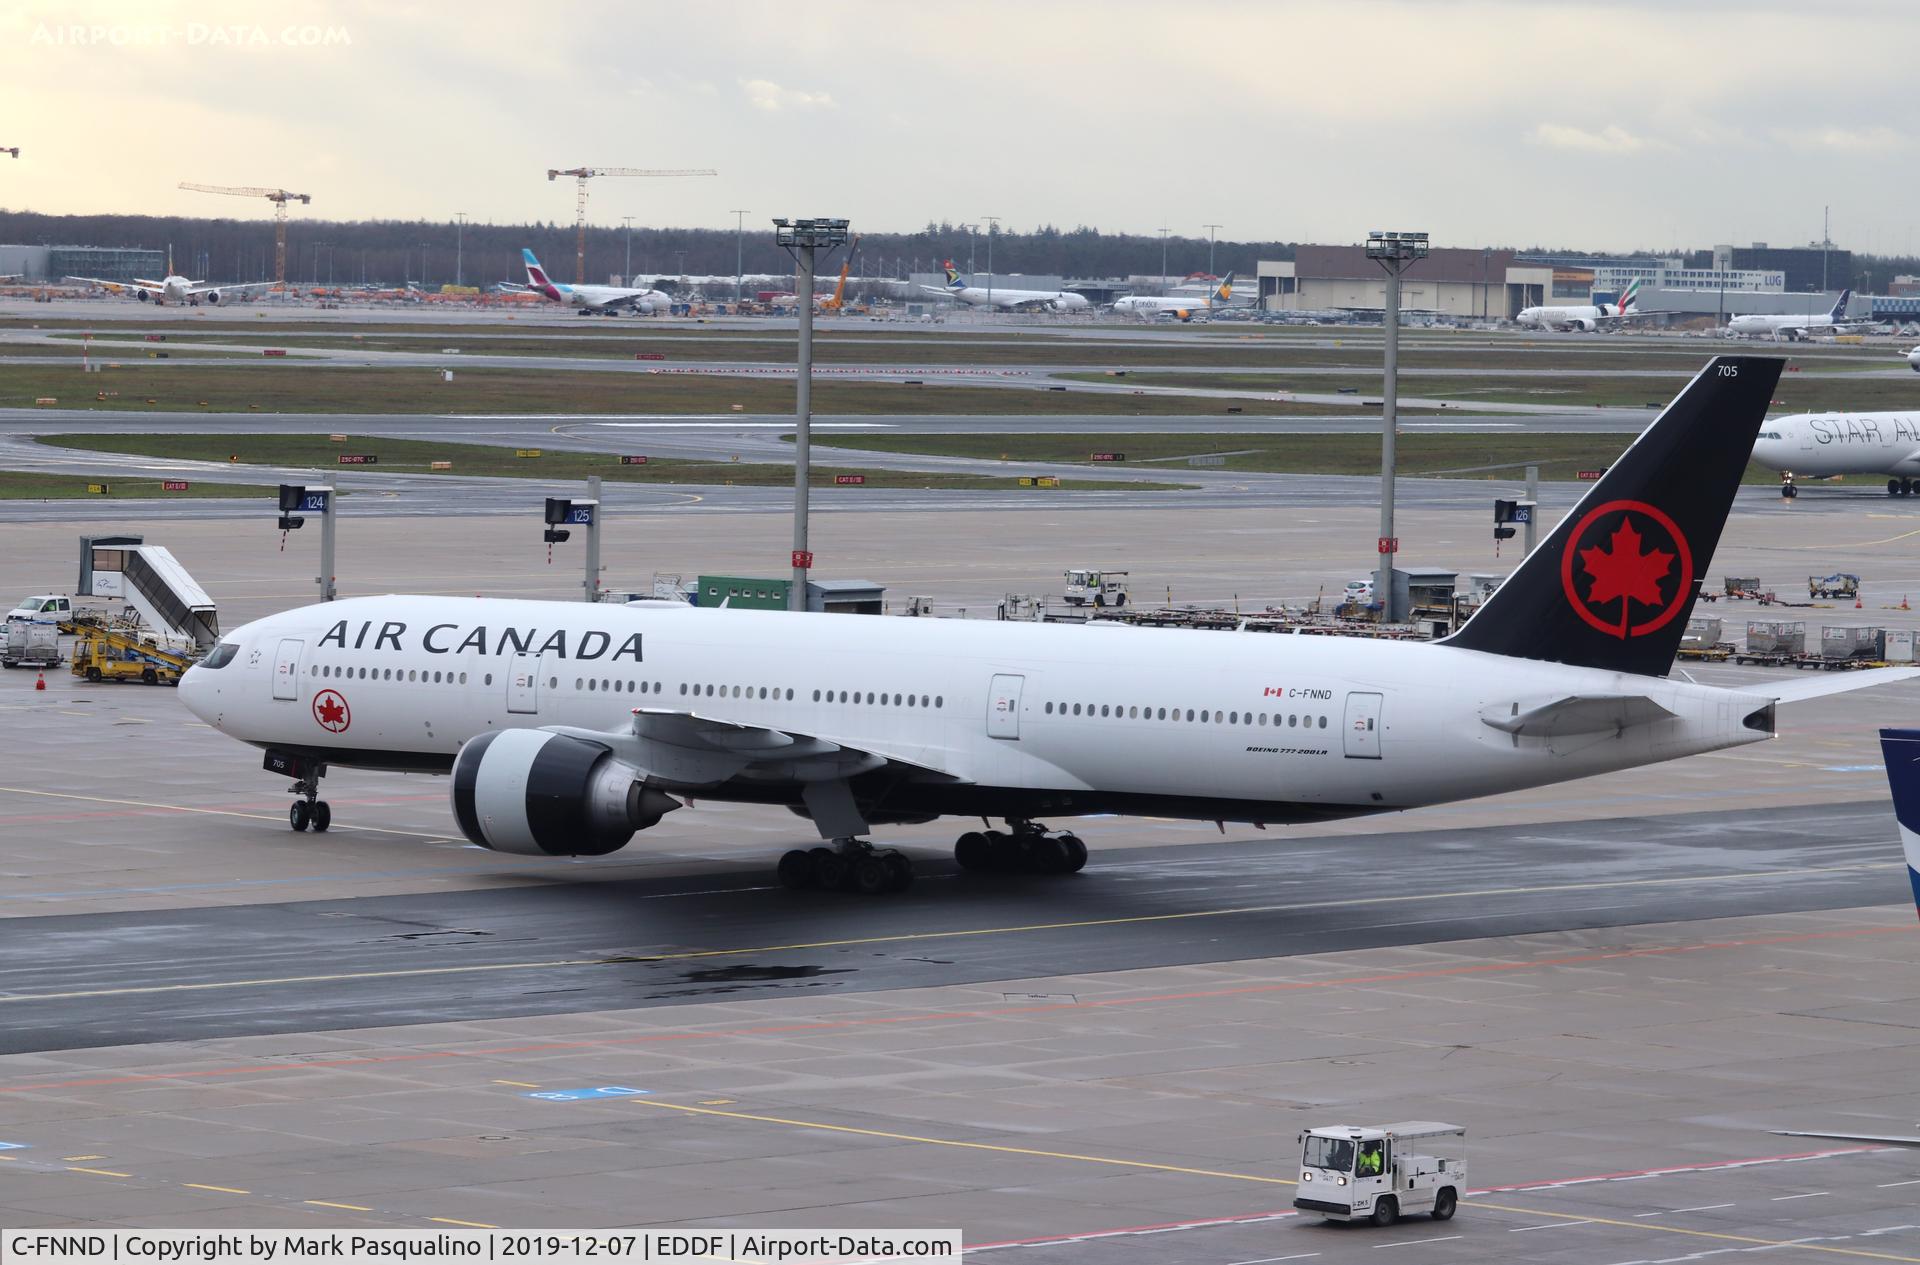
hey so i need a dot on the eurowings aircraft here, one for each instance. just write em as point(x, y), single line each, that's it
point(999, 297)
point(1821, 445)
point(1791, 326)
point(173, 288)
point(1184, 309)
point(567, 727)
point(589, 299)
point(1587, 317)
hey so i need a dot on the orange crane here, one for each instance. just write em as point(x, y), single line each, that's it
point(583, 174)
point(838, 302)
point(279, 198)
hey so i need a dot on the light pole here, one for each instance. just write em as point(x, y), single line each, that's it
point(739, 251)
point(459, 248)
point(1394, 252)
point(423, 265)
point(1163, 258)
point(800, 239)
point(1213, 232)
point(627, 276)
point(993, 224)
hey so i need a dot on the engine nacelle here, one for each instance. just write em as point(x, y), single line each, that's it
point(141, 295)
point(536, 793)
point(211, 296)
point(1585, 326)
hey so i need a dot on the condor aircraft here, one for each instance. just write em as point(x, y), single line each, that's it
point(568, 727)
point(1825, 444)
point(173, 288)
point(999, 297)
point(1183, 309)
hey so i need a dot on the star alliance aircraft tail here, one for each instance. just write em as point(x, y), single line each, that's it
point(1612, 585)
point(1901, 748)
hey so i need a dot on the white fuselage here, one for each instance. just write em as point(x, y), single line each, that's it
point(1778, 326)
point(1584, 317)
point(1842, 443)
point(1913, 360)
point(1239, 726)
point(1143, 305)
point(592, 298)
point(997, 298)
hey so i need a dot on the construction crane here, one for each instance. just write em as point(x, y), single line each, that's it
point(279, 198)
point(583, 174)
point(11, 151)
point(838, 303)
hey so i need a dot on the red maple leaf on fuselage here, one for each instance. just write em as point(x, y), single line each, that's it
point(1623, 573)
point(331, 712)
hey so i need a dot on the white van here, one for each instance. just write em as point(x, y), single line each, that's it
point(46, 608)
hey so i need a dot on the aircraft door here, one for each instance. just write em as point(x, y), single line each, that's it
point(1363, 726)
point(1003, 707)
point(523, 684)
point(286, 668)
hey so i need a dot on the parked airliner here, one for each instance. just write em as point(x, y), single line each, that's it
point(1182, 308)
point(567, 727)
point(1797, 325)
point(1001, 298)
point(1821, 445)
point(1585, 317)
point(591, 299)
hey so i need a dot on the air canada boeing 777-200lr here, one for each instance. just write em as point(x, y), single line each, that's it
point(568, 727)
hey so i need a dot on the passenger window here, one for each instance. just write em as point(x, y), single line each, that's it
point(1049, 709)
point(789, 696)
point(1203, 717)
point(1263, 718)
point(1133, 713)
point(1103, 709)
point(1076, 709)
point(1233, 718)
point(487, 679)
point(911, 699)
point(1323, 722)
point(683, 688)
point(463, 678)
point(938, 701)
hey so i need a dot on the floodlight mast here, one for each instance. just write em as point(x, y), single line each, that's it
point(1394, 252)
point(800, 239)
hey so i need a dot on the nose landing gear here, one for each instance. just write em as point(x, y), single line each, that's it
point(309, 811)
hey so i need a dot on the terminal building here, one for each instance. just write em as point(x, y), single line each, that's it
point(109, 263)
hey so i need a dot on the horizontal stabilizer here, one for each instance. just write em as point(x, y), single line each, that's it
point(1834, 683)
point(1576, 714)
point(1877, 1139)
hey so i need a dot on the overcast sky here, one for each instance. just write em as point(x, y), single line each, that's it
point(1598, 124)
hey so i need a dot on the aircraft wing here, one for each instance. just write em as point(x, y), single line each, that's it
point(245, 285)
point(942, 291)
point(691, 751)
point(1875, 1138)
point(151, 287)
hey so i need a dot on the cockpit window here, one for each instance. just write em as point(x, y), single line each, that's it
point(221, 655)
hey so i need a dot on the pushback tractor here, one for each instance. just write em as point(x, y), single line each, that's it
point(1379, 1173)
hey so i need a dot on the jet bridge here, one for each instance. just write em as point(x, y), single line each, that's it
point(151, 581)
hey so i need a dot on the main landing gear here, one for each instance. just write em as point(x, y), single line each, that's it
point(1900, 487)
point(850, 865)
point(1026, 847)
point(309, 811)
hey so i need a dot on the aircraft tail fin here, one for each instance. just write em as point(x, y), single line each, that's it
point(1839, 312)
point(953, 277)
point(1901, 750)
point(1630, 297)
point(1612, 585)
point(1223, 293)
point(537, 278)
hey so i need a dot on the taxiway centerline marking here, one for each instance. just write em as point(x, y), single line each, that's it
point(210, 812)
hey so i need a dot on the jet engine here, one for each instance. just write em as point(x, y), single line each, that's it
point(141, 295)
point(536, 793)
point(211, 296)
point(1583, 325)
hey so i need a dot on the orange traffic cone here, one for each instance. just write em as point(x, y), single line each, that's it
point(40, 682)
point(1857, 603)
point(1903, 603)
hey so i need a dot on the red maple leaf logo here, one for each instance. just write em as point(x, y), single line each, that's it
point(1623, 572)
point(331, 711)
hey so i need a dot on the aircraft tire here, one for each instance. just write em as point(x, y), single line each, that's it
point(872, 876)
point(298, 815)
point(829, 867)
point(1049, 855)
point(321, 815)
point(899, 871)
point(795, 870)
point(973, 851)
point(1076, 853)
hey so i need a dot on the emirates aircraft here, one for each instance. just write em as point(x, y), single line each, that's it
point(1585, 317)
point(567, 727)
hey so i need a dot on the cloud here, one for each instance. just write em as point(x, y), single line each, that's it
point(1611, 139)
point(1843, 140)
point(764, 94)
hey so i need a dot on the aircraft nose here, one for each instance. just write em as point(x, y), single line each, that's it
point(195, 691)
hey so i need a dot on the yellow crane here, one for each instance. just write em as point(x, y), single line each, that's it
point(838, 303)
point(583, 174)
point(12, 151)
point(279, 198)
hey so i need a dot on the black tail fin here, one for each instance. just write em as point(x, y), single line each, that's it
point(1612, 585)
